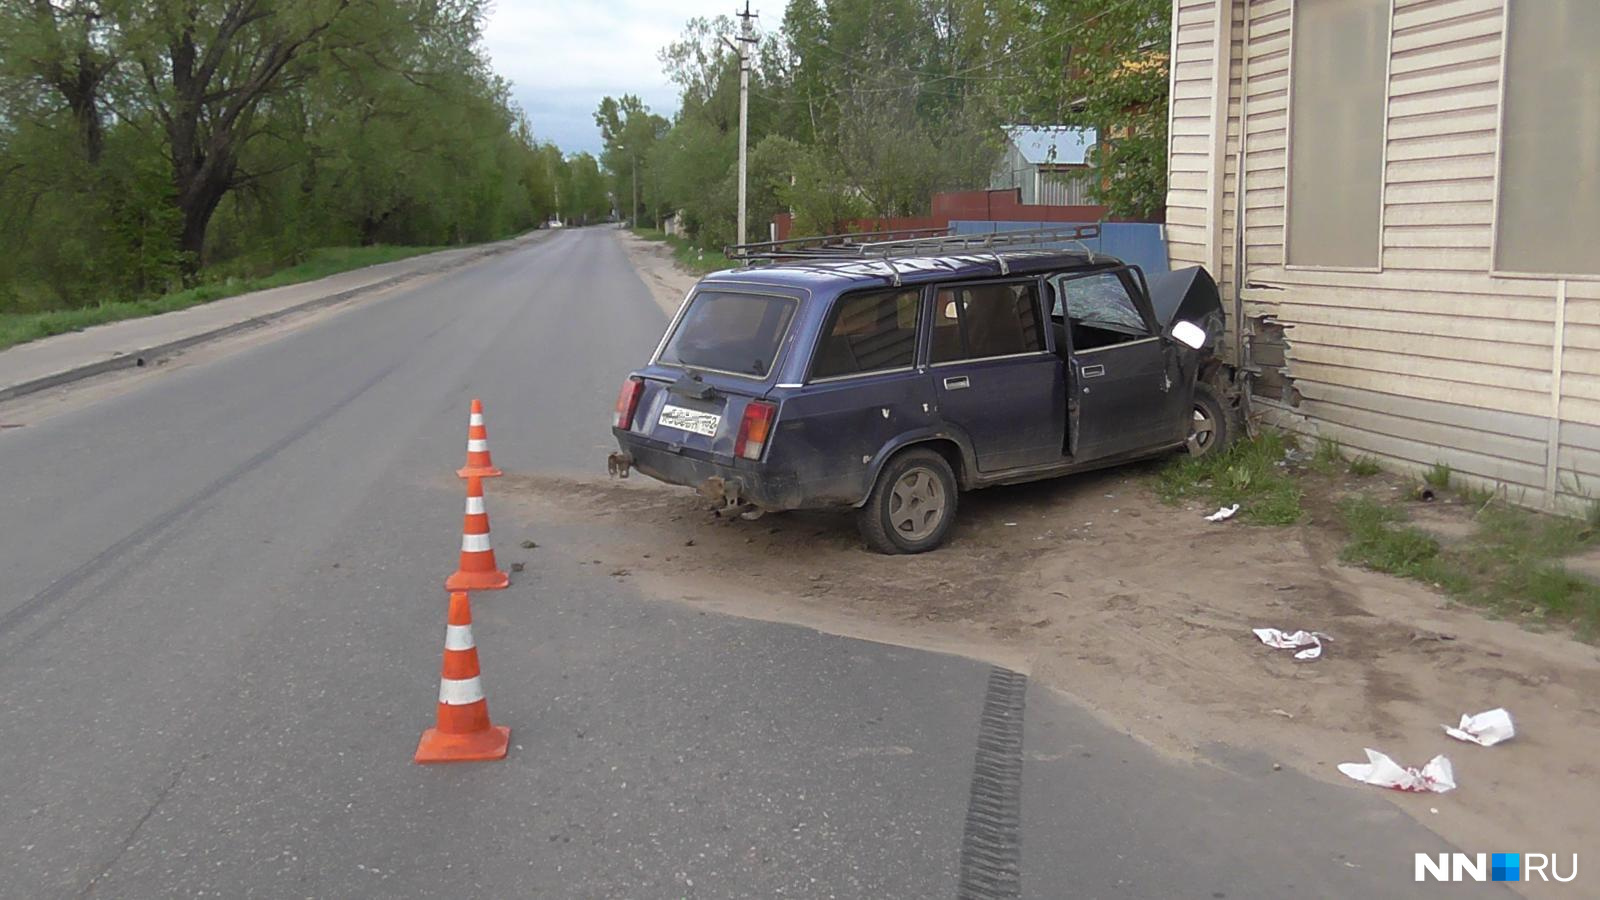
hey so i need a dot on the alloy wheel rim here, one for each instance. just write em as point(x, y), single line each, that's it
point(1202, 429)
point(917, 504)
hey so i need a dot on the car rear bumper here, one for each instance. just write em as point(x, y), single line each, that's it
point(717, 478)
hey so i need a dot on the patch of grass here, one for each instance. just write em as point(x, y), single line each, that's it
point(1522, 535)
point(1380, 540)
point(1438, 475)
point(695, 259)
point(18, 328)
point(1364, 467)
point(1512, 564)
point(1329, 456)
point(1247, 473)
point(1478, 496)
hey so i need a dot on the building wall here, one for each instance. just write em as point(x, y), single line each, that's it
point(1431, 359)
point(1014, 171)
point(1062, 186)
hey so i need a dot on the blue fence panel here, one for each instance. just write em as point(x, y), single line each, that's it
point(1137, 243)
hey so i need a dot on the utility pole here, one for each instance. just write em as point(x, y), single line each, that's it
point(746, 39)
point(636, 187)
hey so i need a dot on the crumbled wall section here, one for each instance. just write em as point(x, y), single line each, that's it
point(1267, 355)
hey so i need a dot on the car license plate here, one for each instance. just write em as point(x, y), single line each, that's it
point(691, 420)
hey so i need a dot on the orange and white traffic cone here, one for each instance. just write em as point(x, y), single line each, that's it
point(462, 731)
point(478, 462)
point(476, 571)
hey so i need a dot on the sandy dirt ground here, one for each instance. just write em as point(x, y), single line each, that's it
point(668, 284)
point(1143, 612)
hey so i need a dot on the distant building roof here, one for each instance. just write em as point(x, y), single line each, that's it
point(1061, 146)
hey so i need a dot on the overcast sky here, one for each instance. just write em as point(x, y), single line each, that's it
point(563, 57)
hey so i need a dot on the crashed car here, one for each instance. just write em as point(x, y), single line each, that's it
point(890, 379)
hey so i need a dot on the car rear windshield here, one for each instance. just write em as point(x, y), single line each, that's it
point(725, 331)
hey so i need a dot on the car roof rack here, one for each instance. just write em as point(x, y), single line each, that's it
point(908, 242)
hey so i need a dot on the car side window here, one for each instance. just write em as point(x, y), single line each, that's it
point(868, 332)
point(1099, 310)
point(984, 320)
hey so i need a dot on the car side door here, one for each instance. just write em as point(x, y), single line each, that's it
point(1119, 372)
point(993, 376)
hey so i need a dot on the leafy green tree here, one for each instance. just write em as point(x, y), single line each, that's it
point(1107, 70)
point(630, 133)
point(142, 139)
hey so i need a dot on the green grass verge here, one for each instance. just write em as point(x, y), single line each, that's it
point(686, 253)
point(1247, 473)
point(18, 328)
point(1512, 564)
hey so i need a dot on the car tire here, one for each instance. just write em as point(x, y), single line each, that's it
point(912, 505)
point(1212, 425)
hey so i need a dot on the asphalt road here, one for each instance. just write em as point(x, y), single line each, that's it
point(220, 627)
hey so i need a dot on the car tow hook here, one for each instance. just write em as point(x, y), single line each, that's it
point(618, 464)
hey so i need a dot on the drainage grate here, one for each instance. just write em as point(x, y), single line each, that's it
point(991, 845)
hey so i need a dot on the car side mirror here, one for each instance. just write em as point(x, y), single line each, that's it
point(1189, 334)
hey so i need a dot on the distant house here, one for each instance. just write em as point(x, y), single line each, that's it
point(1049, 165)
point(1417, 186)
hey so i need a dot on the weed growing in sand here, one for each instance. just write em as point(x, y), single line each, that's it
point(1438, 475)
point(1249, 473)
point(1364, 467)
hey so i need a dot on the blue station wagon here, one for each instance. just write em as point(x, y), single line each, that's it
point(889, 375)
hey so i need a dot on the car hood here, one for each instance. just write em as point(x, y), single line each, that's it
point(1185, 295)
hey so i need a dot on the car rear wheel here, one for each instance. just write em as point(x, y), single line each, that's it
point(912, 504)
point(1211, 427)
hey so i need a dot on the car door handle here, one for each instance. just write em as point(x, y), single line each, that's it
point(957, 383)
point(1091, 371)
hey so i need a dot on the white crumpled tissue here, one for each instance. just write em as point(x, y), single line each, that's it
point(1223, 514)
point(1436, 776)
point(1485, 729)
point(1310, 640)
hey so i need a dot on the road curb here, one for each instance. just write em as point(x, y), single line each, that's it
point(138, 357)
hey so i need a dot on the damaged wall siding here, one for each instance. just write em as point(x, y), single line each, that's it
point(1430, 359)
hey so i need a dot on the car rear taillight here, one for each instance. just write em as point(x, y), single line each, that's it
point(754, 429)
point(627, 402)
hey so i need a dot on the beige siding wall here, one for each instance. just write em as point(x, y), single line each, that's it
point(1433, 358)
point(1191, 157)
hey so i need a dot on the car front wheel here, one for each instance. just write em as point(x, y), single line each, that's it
point(1210, 428)
point(912, 506)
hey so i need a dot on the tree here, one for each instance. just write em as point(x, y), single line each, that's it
point(1107, 71)
point(206, 68)
point(140, 141)
point(630, 133)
